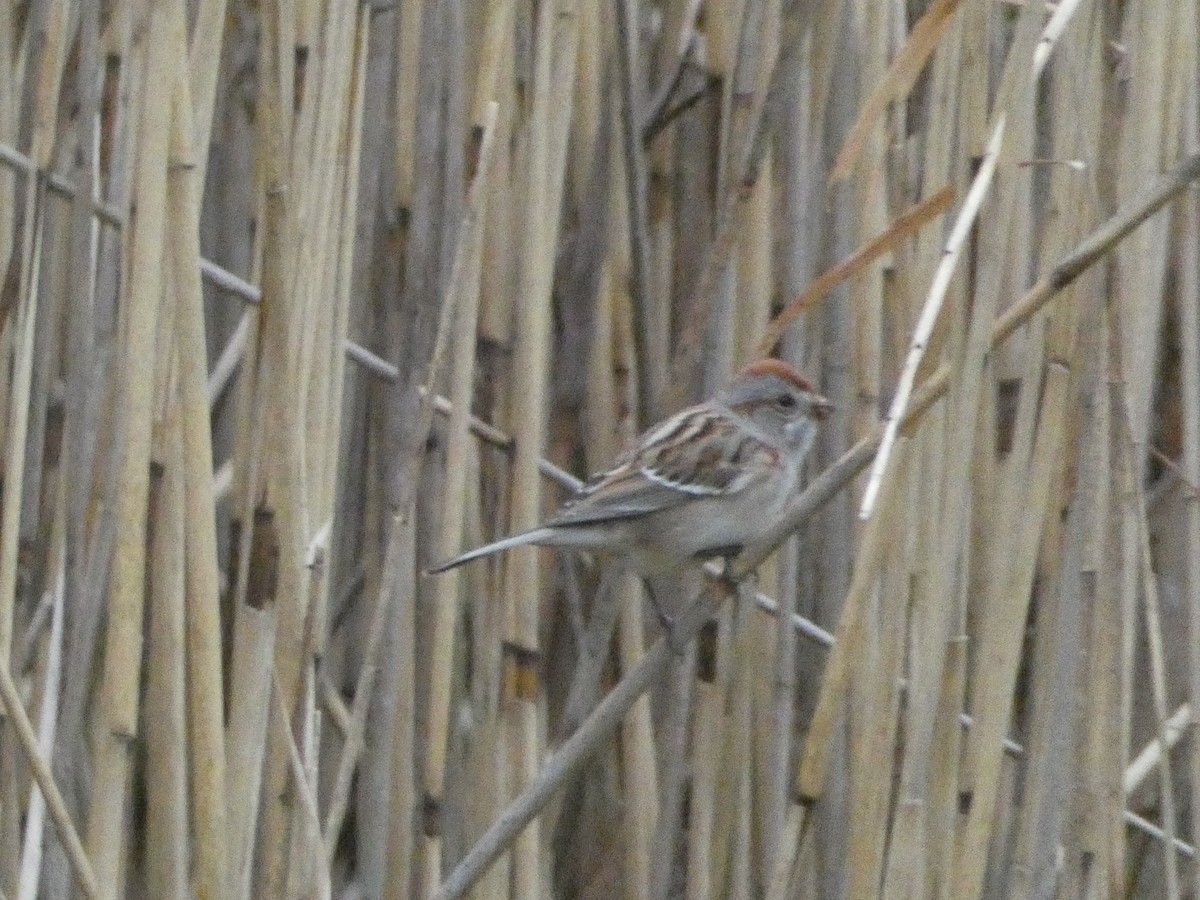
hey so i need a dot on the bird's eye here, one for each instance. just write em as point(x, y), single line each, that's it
point(785, 401)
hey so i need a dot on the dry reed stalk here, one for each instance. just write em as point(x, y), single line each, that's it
point(859, 333)
point(1059, 657)
point(671, 65)
point(1189, 328)
point(1148, 759)
point(1101, 753)
point(123, 637)
point(922, 41)
point(47, 81)
point(42, 96)
point(496, 45)
point(255, 537)
point(929, 315)
point(10, 63)
point(767, 634)
point(943, 812)
point(1007, 609)
point(1154, 636)
point(230, 358)
point(332, 117)
point(614, 357)
point(35, 504)
point(594, 117)
point(1145, 147)
point(1052, 668)
point(743, 145)
point(756, 643)
point(249, 712)
point(814, 767)
point(349, 154)
point(1080, 582)
point(462, 304)
point(673, 783)
point(408, 49)
point(31, 849)
point(168, 857)
point(408, 485)
point(277, 494)
point(204, 678)
point(1124, 567)
point(338, 504)
point(81, 313)
point(810, 778)
point(550, 117)
point(734, 763)
point(783, 710)
point(578, 748)
point(23, 328)
point(401, 869)
point(81, 866)
point(878, 720)
point(701, 813)
point(299, 252)
point(928, 715)
point(637, 750)
point(648, 339)
point(501, 244)
point(904, 226)
point(204, 56)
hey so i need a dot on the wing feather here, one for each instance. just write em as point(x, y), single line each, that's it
point(700, 453)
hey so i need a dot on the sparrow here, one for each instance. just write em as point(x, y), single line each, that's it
point(711, 481)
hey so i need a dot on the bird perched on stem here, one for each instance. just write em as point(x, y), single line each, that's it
point(710, 481)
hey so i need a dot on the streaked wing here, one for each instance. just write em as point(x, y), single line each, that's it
point(702, 452)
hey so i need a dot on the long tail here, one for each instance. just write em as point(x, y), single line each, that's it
point(517, 540)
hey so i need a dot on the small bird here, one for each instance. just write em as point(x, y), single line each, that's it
point(708, 482)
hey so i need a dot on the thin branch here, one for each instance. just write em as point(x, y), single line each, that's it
point(580, 747)
point(659, 116)
point(906, 224)
point(1177, 470)
point(304, 789)
point(15, 159)
point(1147, 827)
point(80, 864)
point(660, 123)
point(1146, 761)
point(922, 41)
point(110, 215)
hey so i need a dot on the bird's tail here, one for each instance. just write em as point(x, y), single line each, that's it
point(535, 536)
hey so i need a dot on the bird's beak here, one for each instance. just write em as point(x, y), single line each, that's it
point(821, 408)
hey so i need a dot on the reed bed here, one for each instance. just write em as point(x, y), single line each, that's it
point(297, 298)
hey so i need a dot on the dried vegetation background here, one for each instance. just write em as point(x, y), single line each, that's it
point(299, 296)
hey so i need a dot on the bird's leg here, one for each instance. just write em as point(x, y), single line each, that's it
point(666, 622)
point(593, 650)
point(674, 595)
point(746, 585)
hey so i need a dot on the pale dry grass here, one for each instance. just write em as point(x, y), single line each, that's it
point(297, 297)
